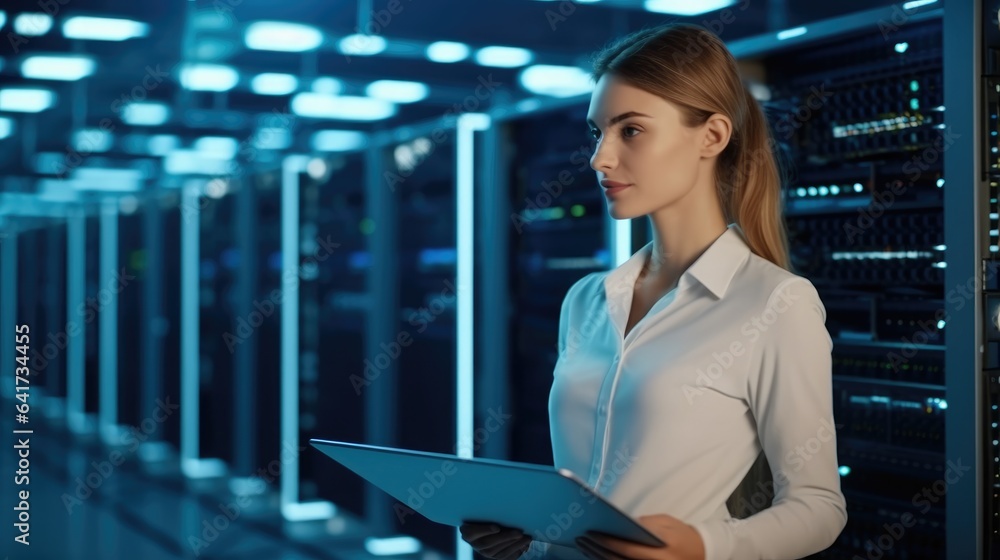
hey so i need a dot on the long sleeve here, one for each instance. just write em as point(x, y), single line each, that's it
point(791, 398)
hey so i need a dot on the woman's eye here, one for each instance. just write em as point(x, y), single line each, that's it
point(626, 129)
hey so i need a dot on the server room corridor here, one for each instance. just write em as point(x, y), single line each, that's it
point(87, 503)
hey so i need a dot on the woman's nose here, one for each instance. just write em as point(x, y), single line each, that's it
point(602, 159)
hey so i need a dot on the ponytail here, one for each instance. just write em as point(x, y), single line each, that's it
point(751, 190)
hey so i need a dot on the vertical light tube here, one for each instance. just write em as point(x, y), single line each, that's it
point(290, 169)
point(108, 357)
point(464, 336)
point(291, 508)
point(190, 218)
point(623, 241)
point(76, 281)
point(465, 320)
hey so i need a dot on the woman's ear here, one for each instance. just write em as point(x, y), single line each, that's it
point(716, 133)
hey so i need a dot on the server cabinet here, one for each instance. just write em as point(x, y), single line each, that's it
point(219, 262)
point(557, 235)
point(420, 176)
point(335, 304)
point(862, 118)
point(132, 251)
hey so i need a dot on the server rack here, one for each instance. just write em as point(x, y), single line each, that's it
point(168, 325)
point(420, 176)
point(865, 216)
point(51, 359)
point(335, 303)
point(220, 259)
point(557, 235)
point(261, 308)
point(89, 314)
point(132, 249)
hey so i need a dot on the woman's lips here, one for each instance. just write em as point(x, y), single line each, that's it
point(613, 187)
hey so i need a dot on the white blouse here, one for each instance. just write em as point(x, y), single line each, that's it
point(734, 360)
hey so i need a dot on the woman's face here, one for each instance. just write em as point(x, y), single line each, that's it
point(641, 143)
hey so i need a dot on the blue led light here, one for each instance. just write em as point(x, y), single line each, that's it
point(447, 51)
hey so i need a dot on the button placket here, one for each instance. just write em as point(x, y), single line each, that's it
point(603, 418)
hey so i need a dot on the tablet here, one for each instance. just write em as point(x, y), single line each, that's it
point(550, 505)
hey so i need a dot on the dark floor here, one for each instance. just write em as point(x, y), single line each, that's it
point(143, 511)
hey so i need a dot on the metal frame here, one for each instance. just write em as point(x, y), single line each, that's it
point(383, 291)
point(152, 387)
point(493, 225)
point(193, 465)
point(76, 285)
point(245, 354)
point(291, 508)
point(465, 322)
point(964, 219)
point(108, 358)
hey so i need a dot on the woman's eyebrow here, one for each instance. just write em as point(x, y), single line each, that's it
point(620, 118)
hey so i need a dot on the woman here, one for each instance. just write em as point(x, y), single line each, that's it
point(693, 383)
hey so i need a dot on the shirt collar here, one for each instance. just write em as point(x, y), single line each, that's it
point(714, 268)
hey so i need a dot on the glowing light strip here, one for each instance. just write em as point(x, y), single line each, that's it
point(622, 247)
point(76, 281)
point(291, 508)
point(883, 125)
point(291, 167)
point(108, 386)
point(464, 323)
point(189, 328)
point(881, 255)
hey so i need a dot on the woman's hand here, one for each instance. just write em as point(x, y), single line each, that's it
point(495, 541)
point(683, 542)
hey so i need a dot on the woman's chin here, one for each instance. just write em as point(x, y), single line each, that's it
point(617, 212)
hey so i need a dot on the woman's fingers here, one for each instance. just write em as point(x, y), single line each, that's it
point(494, 545)
point(588, 551)
point(601, 551)
point(472, 532)
point(514, 550)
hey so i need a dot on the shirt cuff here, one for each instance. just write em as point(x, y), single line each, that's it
point(716, 537)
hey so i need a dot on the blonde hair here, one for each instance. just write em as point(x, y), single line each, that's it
point(691, 67)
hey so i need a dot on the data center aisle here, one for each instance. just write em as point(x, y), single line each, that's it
point(82, 507)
